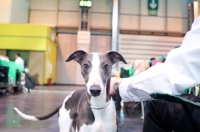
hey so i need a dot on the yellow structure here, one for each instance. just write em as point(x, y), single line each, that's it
point(33, 38)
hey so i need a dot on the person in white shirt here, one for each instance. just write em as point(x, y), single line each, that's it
point(19, 60)
point(181, 70)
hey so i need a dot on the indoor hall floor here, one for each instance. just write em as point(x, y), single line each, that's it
point(42, 101)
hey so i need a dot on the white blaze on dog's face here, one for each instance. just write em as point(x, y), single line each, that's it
point(97, 73)
point(96, 70)
point(94, 77)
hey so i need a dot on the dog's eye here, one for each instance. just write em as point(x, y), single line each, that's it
point(106, 66)
point(86, 66)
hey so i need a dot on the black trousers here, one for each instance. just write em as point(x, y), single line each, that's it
point(163, 116)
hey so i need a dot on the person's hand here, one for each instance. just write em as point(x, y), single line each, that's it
point(113, 80)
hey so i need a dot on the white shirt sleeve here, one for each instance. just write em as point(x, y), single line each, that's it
point(181, 70)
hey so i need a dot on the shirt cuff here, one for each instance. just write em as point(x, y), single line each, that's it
point(123, 89)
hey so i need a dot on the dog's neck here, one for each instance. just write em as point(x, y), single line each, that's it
point(101, 101)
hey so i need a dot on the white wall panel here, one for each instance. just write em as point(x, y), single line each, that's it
point(144, 7)
point(101, 14)
point(5, 11)
point(101, 6)
point(177, 24)
point(100, 43)
point(128, 22)
point(161, 8)
point(70, 19)
point(44, 4)
point(20, 11)
point(177, 8)
point(66, 71)
point(152, 23)
point(101, 20)
point(69, 5)
point(42, 17)
point(176, 12)
point(129, 6)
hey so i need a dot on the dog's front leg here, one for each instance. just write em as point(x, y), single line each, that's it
point(64, 120)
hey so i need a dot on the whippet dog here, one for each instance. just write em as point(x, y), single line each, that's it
point(91, 109)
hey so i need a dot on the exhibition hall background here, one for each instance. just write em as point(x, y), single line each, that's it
point(45, 32)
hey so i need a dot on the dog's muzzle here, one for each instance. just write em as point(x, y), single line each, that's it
point(95, 90)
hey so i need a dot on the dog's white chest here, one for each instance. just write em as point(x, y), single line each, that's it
point(105, 120)
point(99, 127)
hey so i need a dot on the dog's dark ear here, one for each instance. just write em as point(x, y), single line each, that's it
point(78, 56)
point(115, 57)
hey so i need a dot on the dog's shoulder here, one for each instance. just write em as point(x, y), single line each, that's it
point(76, 102)
point(75, 97)
point(79, 94)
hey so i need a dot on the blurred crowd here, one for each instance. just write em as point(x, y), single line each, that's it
point(137, 66)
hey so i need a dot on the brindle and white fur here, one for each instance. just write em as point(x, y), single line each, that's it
point(91, 109)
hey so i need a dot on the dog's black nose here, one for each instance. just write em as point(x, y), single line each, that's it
point(95, 90)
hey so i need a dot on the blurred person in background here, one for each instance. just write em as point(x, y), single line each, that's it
point(19, 60)
point(179, 71)
point(140, 66)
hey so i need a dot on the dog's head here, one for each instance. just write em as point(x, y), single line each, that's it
point(96, 69)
